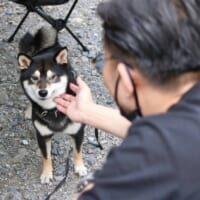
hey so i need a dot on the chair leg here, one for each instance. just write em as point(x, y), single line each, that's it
point(70, 11)
point(76, 38)
point(67, 28)
point(58, 24)
point(10, 39)
point(45, 16)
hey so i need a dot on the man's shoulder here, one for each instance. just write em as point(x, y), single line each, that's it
point(166, 138)
point(166, 129)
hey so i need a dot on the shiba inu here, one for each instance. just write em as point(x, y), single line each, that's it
point(45, 74)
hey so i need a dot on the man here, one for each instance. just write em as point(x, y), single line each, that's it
point(152, 68)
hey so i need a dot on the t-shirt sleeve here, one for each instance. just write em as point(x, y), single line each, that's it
point(140, 168)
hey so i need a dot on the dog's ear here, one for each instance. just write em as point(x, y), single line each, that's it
point(24, 61)
point(61, 56)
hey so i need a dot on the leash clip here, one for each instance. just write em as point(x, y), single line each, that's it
point(44, 113)
point(56, 113)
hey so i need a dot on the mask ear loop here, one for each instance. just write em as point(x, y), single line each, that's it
point(134, 92)
point(116, 91)
point(116, 97)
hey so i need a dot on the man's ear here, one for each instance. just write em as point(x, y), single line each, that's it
point(24, 61)
point(126, 81)
point(61, 56)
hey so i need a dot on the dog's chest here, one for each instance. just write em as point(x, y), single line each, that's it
point(48, 123)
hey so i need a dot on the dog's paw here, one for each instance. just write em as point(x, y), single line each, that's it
point(81, 170)
point(46, 178)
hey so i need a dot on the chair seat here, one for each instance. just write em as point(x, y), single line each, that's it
point(40, 2)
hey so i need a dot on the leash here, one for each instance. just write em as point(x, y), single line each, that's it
point(67, 166)
point(97, 138)
point(65, 177)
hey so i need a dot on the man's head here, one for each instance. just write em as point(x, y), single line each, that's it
point(158, 38)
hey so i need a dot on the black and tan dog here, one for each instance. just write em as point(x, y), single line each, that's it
point(46, 74)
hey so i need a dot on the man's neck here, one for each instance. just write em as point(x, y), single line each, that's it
point(157, 100)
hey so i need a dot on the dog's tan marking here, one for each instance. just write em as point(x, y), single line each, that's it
point(35, 79)
point(37, 73)
point(79, 166)
point(47, 171)
point(49, 74)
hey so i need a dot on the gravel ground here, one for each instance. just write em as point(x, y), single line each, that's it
point(20, 159)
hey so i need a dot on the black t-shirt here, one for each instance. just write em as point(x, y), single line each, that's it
point(159, 159)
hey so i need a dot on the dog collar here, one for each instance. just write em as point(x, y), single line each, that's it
point(45, 113)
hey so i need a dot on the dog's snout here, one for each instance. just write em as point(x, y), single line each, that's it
point(43, 93)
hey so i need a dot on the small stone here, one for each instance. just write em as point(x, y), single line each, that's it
point(84, 59)
point(58, 178)
point(25, 142)
point(91, 139)
point(38, 152)
point(91, 54)
point(77, 20)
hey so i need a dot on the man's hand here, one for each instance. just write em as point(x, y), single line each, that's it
point(75, 106)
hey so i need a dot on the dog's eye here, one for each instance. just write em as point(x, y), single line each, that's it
point(34, 78)
point(53, 77)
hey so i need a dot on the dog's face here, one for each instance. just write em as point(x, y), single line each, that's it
point(44, 77)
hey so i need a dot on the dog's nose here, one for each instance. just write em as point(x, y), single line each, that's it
point(43, 93)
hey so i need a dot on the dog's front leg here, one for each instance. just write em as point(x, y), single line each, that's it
point(45, 147)
point(79, 166)
point(28, 111)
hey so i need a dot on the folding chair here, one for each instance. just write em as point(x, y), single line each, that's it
point(36, 6)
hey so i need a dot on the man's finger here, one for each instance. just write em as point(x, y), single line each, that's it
point(63, 102)
point(67, 97)
point(74, 88)
point(62, 109)
point(81, 83)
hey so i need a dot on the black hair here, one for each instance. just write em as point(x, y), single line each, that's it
point(162, 36)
